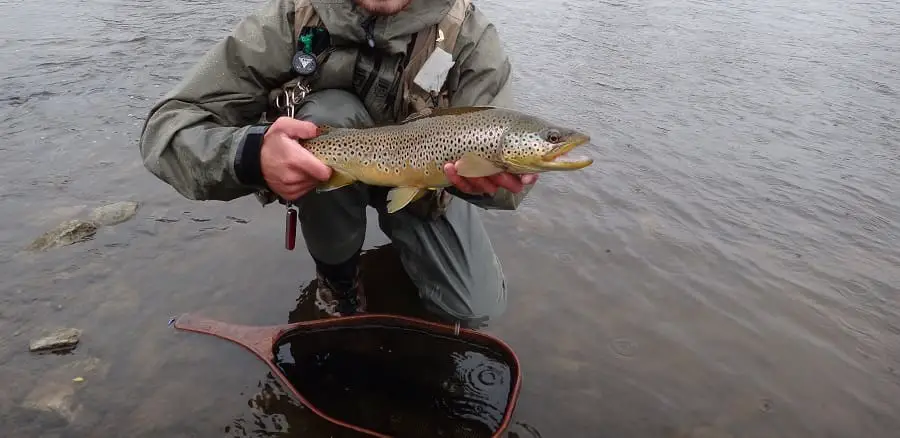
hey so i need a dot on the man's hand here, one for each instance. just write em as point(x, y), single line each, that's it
point(289, 169)
point(488, 184)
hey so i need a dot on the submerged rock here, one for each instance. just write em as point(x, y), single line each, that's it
point(66, 233)
point(114, 213)
point(79, 230)
point(53, 397)
point(59, 340)
point(56, 391)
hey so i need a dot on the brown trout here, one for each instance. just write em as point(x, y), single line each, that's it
point(410, 155)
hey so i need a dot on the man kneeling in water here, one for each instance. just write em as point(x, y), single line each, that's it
point(205, 138)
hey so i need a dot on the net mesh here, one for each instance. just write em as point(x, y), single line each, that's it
point(400, 381)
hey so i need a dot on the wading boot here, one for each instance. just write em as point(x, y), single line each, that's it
point(339, 291)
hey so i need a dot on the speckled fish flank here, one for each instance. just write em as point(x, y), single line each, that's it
point(409, 156)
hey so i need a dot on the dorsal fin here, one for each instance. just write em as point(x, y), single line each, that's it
point(452, 111)
point(424, 114)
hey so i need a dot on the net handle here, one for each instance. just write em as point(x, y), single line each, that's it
point(258, 339)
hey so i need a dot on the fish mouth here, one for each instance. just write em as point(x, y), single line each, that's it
point(556, 160)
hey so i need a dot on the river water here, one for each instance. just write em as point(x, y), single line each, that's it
point(729, 266)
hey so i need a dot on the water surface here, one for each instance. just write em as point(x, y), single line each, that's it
point(727, 268)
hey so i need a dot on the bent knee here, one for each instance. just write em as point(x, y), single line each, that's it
point(471, 304)
point(474, 323)
point(334, 107)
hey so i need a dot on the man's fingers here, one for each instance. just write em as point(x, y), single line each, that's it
point(454, 178)
point(307, 187)
point(293, 179)
point(508, 181)
point(484, 185)
point(293, 128)
point(529, 178)
point(304, 161)
point(316, 168)
point(458, 181)
point(295, 191)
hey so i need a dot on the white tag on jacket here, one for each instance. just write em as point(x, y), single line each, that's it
point(434, 72)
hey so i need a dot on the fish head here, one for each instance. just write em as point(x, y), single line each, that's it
point(532, 145)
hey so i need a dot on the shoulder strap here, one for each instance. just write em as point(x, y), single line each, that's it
point(444, 35)
point(304, 16)
point(451, 24)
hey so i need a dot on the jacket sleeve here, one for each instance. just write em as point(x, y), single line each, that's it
point(483, 76)
point(202, 137)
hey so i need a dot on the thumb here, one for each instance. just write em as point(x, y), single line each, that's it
point(293, 128)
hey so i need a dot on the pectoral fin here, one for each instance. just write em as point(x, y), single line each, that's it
point(473, 166)
point(399, 197)
point(338, 179)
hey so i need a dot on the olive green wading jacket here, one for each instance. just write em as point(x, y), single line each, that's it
point(193, 135)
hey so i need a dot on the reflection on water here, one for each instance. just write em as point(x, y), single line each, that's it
point(388, 288)
point(400, 382)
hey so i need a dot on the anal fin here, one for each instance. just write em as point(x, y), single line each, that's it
point(400, 197)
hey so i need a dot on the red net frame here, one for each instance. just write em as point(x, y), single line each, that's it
point(261, 341)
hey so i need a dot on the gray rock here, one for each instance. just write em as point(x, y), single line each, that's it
point(60, 339)
point(56, 392)
point(66, 233)
point(114, 213)
point(53, 397)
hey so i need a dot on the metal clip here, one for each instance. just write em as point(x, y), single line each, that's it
point(291, 96)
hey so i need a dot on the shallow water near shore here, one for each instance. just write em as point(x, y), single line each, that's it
point(728, 267)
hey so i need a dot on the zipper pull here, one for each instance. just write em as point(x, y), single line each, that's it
point(368, 27)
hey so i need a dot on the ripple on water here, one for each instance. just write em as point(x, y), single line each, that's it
point(458, 388)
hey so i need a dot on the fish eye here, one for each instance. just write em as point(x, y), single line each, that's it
point(553, 136)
